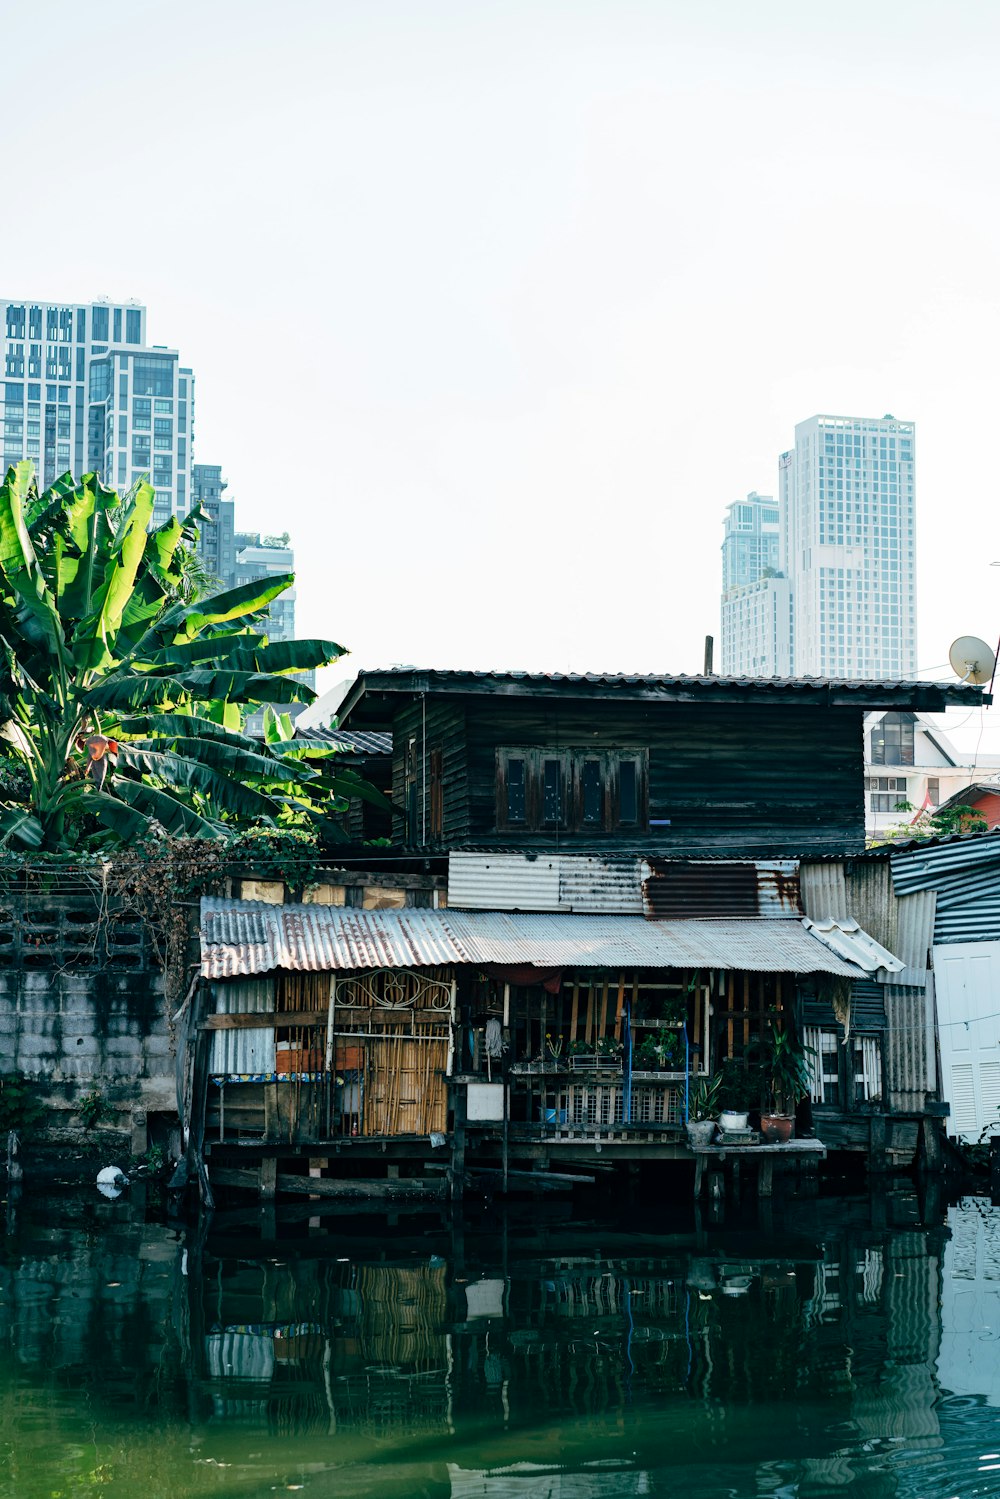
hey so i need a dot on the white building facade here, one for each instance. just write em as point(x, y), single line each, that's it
point(845, 549)
point(83, 392)
point(756, 620)
point(847, 504)
point(756, 629)
point(909, 760)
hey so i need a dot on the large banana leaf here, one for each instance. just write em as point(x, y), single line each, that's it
point(174, 816)
point(102, 633)
point(217, 790)
point(226, 758)
point(154, 690)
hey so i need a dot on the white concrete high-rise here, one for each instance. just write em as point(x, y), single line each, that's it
point(82, 391)
point(844, 583)
point(847, 511)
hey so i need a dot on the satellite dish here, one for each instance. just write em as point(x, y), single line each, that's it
point(972, 660)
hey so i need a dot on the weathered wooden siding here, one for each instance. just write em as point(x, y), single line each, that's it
point(780, 778)
point(432, 724)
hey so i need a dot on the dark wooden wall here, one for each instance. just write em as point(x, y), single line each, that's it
point(435, 724)
point(772, 779)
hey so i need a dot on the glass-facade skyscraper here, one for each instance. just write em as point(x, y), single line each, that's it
point(83, 392)
point(755, 593)
point(847, 523)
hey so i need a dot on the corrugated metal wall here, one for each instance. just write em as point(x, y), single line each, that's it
point(823, 887)
point(966, 876)
point(911, 1061)
point(866, 890)
point(243, 1051)
point(676, 888)
point(598, 884)
point(872, 900)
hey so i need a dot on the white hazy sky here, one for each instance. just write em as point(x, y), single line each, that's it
point(496, 306)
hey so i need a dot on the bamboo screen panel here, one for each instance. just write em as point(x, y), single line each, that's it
point(403, 1086)
point(302, 991)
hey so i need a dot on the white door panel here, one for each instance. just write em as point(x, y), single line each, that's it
point(967, 983)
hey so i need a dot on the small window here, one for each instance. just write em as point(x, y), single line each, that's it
point(934, 790)
point(892, 740)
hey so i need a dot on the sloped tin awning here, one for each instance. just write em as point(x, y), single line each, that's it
point(240, 938)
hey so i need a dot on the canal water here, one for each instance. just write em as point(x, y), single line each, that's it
point(846, 1346)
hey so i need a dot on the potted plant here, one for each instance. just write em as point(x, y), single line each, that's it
point(737, 1093)
point(703, 1107)
point(787, 1078)
point(660, 1051)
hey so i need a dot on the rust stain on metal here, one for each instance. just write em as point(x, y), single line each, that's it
point(677, 888)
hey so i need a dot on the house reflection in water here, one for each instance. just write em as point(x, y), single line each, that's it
point(540, 1360)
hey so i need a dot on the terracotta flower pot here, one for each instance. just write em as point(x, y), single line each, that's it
point(777, 1129)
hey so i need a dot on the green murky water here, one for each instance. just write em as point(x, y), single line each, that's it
point(839, 1347)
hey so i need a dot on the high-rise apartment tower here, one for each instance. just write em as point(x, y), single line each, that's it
point(842, 603)
point(847, 512)
point(83, 392)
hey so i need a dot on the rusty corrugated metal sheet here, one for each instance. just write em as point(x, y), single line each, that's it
point(742, 888)
point(241, 938)
point(481, 881)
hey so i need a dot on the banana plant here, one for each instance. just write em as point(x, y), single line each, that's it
point(123, 696)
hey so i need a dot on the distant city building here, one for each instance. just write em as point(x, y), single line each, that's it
point(83, 392)
point(838, 549)
point(260, 557)
point(755, 594)
point(751, 546)
point(217, 532)
point(847, 511)
point(756, 629)
point(268, 557)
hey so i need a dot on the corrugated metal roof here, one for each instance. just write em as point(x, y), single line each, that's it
point(245, 937)
point(957, 692)
point(922, 867)
point(851, 942)
point(349, 741)
point(546, 882)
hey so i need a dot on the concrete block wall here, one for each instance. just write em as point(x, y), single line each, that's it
point(82, 1010)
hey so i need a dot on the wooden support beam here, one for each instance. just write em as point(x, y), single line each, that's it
point(263, 1020)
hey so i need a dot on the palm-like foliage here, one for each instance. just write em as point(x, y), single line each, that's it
point(107, 659)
